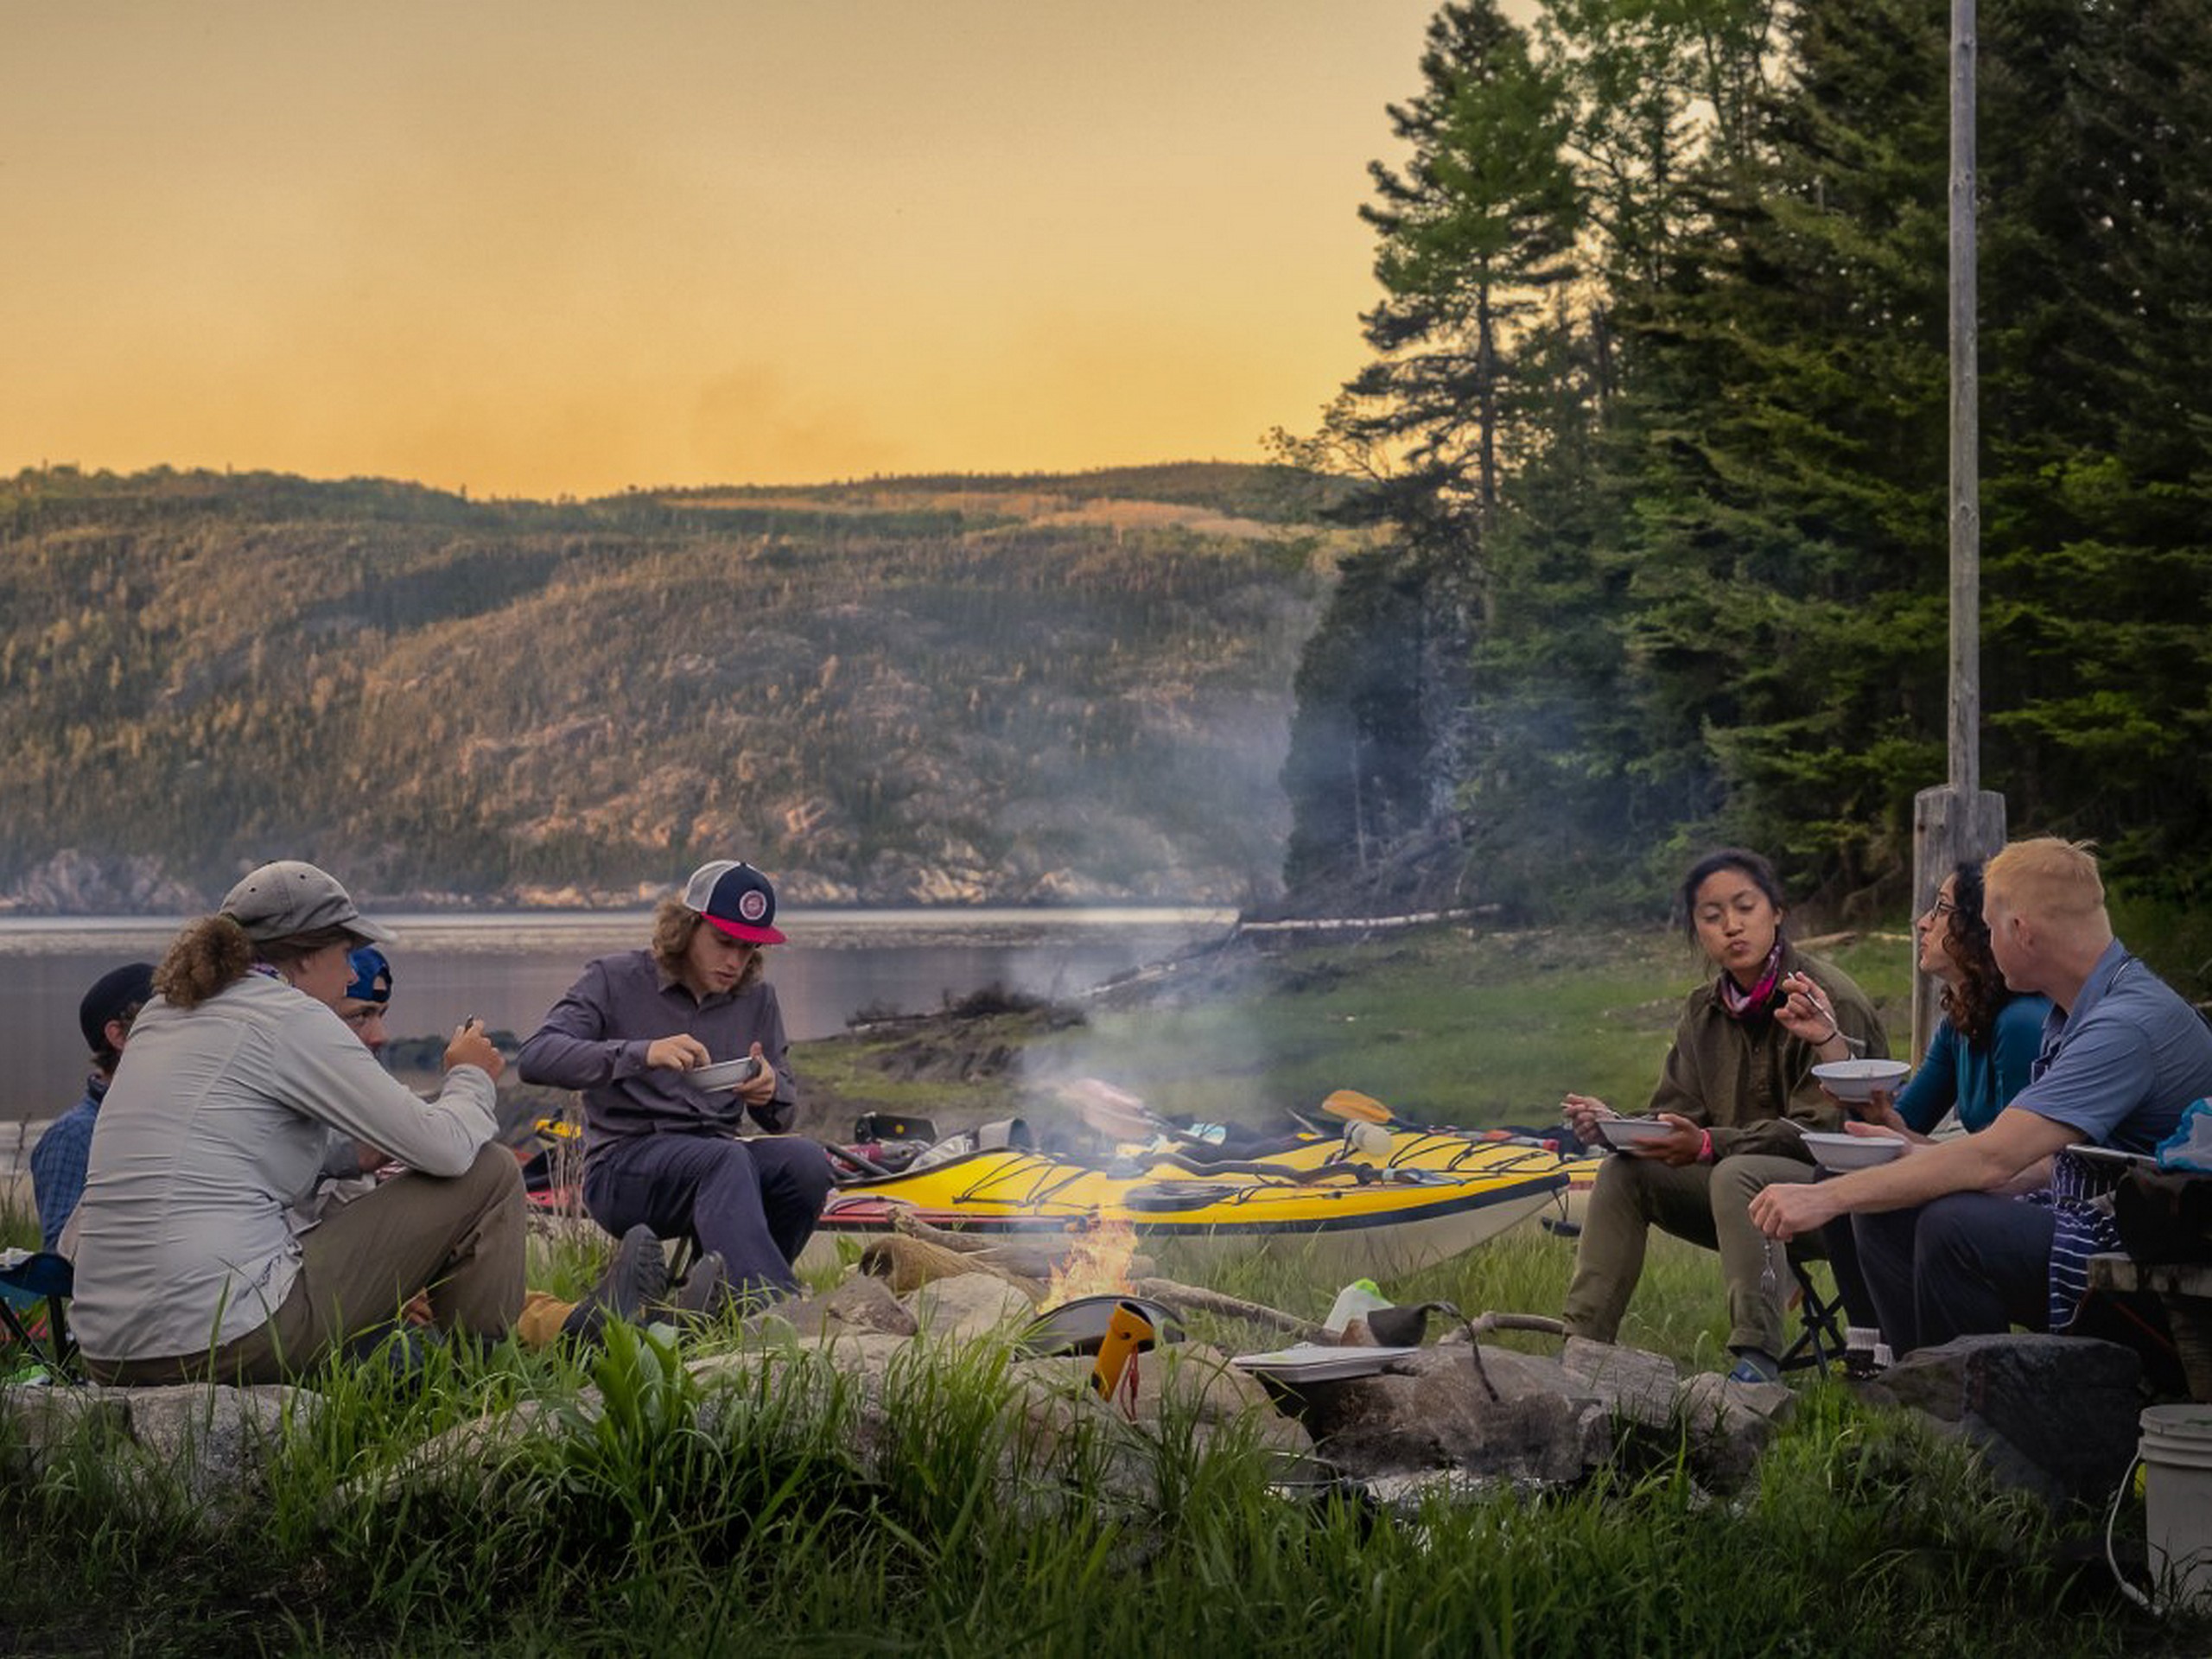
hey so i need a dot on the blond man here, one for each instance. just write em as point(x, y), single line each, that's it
point(1957, 1237)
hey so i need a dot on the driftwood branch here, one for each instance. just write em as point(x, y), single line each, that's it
point(1190, 1299)
point(1016, 1259)
point(1358, 924)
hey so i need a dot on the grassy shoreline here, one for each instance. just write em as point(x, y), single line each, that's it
point(1447, 1026)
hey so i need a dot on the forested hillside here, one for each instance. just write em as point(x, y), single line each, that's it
point(1656, 419)
point(950, 690)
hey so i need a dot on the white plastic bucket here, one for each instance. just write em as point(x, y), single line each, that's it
point(2176, 1453)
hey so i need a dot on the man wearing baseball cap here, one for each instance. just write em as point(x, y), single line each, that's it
point(658, 1147)
point(58, 1160)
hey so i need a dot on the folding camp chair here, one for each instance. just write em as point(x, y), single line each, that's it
point(34, 1292)
point(1821, 1339)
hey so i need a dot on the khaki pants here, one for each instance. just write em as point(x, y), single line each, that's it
point(1706, 1203)
point(459, 1239)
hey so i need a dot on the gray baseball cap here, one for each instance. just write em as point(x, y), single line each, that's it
point(288, 898)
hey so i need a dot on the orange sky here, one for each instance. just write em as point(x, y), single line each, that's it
point(556, 247)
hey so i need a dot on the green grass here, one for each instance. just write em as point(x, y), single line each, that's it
point(785, 1514)
point(761, 1518)
point(1445, 1027)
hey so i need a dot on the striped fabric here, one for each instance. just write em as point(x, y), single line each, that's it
point(2080, 1194)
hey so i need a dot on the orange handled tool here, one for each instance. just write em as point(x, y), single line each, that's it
point(1126, 1332)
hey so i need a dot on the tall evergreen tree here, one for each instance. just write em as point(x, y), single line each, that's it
point(1473, 231)
point(2098, 400)
point(1785, 610)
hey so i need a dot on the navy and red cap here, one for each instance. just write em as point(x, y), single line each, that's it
point(735, 899)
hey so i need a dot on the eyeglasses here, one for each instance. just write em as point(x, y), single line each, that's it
point(1943, 907)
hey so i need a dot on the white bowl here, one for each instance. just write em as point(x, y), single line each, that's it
point(1852, 1151)
point(1621, 1132)
point(723, 1074)
point(1859, 1079)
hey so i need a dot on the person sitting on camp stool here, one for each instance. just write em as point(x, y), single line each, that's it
point(658, 1148)
point(58, 1159)
point(1979, 1233)
point(1735, 1094)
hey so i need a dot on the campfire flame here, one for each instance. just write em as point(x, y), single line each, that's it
point(1096, 1263)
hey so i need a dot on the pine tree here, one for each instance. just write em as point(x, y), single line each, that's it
point(1473, 231)
point(1785, 612)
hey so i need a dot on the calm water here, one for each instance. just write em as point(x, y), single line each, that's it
point(510, 969)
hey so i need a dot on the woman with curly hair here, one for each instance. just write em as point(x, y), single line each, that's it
point(1978, 1059)
point(1988, 1037)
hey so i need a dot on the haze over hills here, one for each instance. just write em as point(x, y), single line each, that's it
point(934, 690)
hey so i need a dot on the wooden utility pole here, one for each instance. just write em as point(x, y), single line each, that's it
point(1960, 820)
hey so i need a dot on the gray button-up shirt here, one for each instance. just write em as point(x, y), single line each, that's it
point(596, 1038)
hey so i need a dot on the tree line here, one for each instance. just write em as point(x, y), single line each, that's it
point(1656, 420)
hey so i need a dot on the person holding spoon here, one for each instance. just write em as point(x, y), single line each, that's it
point(1735, 1092)
point(660, 1147)
point(1984, 1231)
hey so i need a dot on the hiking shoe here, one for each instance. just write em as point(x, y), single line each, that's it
point(703, 1294)
point(1755, 1365)
point(637, 1276)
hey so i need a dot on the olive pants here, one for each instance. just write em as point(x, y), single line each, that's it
point(1706, 1203)
point(459, 1239)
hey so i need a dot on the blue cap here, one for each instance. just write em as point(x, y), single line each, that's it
point(372, 976)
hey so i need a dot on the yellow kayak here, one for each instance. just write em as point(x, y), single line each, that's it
point(1345, 1216)
point(1451, 1150)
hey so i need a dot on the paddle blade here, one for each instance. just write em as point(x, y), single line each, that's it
point(1113, 1112)
point(1354, 1107)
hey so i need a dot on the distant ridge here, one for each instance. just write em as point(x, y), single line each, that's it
point(944, 689)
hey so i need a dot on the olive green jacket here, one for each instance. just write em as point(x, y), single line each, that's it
point(1747, 1082)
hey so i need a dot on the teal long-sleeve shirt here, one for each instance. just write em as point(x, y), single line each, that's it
point(1978, 1080)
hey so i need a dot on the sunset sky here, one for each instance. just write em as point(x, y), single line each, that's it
point(548, 248)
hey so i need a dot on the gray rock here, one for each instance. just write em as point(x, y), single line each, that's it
point(43, 1422)
point(862, 1302)
point(1729, 1424)
point(469, 1455)
point(215, 1441)
point(1183, 1384)
point(2058, 1416)
point(1432, 1411)
point(1628, 1383)
point(970, 1304)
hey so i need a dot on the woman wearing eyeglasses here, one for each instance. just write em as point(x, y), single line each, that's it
point(1988, 1037)
point(1978, 1059)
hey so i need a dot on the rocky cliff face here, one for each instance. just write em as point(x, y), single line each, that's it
point(74, 883)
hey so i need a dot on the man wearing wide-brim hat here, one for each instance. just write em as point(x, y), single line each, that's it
point(660, 1149)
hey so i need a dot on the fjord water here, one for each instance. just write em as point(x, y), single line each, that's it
point(508, 969)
